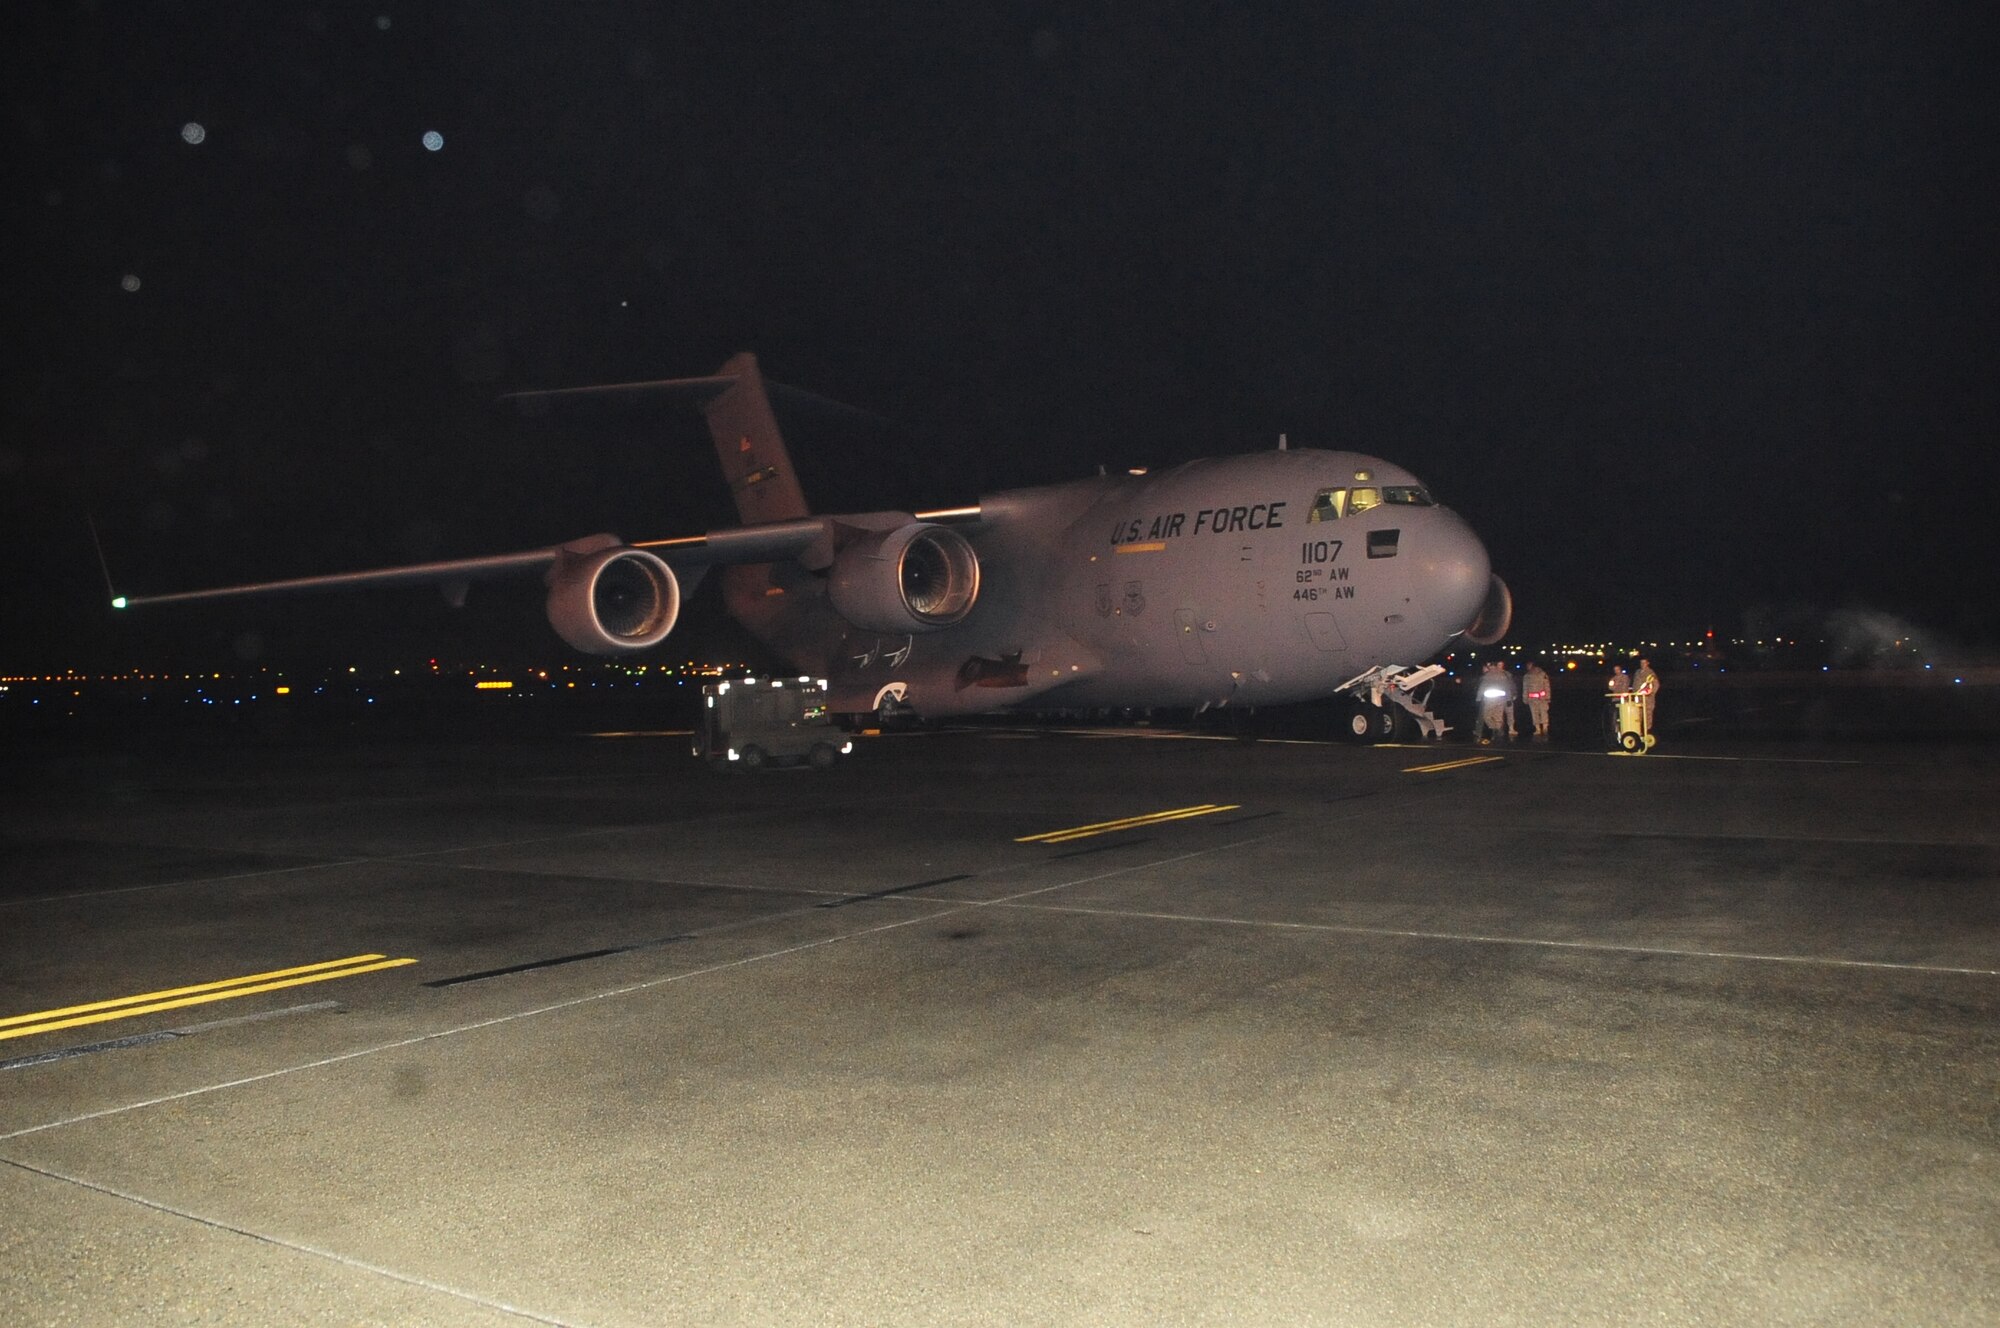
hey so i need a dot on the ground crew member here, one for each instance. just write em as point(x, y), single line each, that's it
point(1535, 689)
point(1477, 691)
point(1647, 684)
point(1496, 701)
point(1619, 685)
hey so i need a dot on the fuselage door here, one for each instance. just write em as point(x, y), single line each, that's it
point(1325, 632)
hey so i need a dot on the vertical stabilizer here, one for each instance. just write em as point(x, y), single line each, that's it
point(755, 463)
point(750, 448)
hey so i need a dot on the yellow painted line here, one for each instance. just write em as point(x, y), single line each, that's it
point(126, 1007)
point(1150, 820)
point(1111, 825)
point(187, 991)
point(1154, 547)
point(1127, 823)
point(1459, 764)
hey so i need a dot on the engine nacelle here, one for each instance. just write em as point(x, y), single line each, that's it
point(1496, 614)
point(915, 578)
point(613, 600)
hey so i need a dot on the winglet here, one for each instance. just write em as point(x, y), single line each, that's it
point(117, 600)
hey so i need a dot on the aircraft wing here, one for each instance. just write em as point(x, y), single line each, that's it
point(689, 555)
point(774, 541)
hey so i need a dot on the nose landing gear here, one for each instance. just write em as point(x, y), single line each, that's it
point(1370, 720)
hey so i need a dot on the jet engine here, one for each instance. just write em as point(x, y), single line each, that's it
point(1496, 614)
point(613, 600)
point(915, 578)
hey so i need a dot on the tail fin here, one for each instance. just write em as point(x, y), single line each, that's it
point(754, 459)
point(750, 448)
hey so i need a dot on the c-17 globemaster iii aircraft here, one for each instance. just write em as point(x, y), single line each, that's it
point(1283, 576)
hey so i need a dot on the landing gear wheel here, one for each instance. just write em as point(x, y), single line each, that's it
point(822, 757)
point(754, 758)
point(1370, 723)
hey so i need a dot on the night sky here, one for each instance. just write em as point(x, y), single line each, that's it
point(1688, 308)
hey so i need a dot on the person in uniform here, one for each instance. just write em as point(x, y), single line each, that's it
point(1535, 690)
point(1614, 692)
point(1496, 702)
point(1647, 684)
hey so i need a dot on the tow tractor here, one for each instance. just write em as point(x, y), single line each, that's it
point(754, 723)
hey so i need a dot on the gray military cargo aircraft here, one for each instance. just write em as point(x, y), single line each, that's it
point(1283, 576)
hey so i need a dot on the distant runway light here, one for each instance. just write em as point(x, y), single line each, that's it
point(433, 139)
point(192, 132)
point(129, 282)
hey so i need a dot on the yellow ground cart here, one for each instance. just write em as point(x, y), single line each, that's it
point(1628, 723)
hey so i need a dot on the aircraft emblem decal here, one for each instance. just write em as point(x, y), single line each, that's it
point(1134, 602)
point(895, 659)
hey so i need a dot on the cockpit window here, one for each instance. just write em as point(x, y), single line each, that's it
point(1333, 504)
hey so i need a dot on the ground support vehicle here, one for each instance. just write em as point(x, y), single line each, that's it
point(1629, 730)
point(758, 722)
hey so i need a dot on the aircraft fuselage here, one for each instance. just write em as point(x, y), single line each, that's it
point(1230, 581)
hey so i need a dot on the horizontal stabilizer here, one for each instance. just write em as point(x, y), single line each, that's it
point(755, 462)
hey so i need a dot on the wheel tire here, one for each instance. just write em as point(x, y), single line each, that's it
point(754, 758)
point(822, 756)
point(1370, 723)
point(1632, 743)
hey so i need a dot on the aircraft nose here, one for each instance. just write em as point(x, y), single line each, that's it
point(1457, 574)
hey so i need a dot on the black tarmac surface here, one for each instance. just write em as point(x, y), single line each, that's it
point(1403, 1035)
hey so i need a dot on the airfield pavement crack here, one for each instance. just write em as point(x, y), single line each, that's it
point(296, 1246)
point(1481, 938)
point(958, 906)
